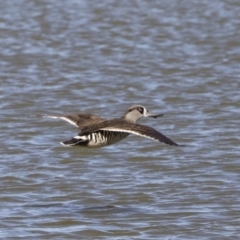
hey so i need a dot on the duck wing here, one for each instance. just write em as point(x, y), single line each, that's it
point(80, 120)
point(118, 125)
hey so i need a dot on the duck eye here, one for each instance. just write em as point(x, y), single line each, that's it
point(140, 109)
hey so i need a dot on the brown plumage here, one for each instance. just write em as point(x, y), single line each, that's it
point(99, 132)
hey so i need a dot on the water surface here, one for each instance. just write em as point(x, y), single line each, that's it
point(178, 58)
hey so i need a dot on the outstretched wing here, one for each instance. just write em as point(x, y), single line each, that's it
point(80, 120)
point(116, 125)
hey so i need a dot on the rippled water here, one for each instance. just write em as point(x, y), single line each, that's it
point(176, 57)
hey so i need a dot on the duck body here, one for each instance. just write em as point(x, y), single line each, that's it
point(99, 132)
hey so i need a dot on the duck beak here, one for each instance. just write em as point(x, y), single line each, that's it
point(148, 114)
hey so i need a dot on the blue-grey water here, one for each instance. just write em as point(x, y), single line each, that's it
point(180, 58)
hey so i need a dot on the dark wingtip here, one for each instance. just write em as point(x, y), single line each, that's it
point(74, 141)
point(70, 142)
point(172, 143)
